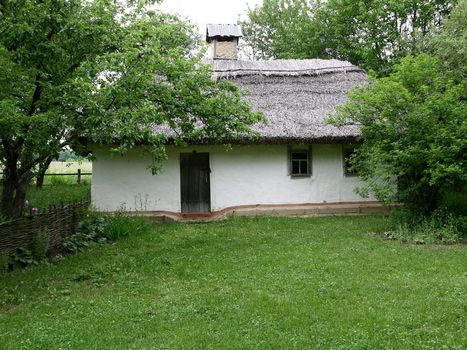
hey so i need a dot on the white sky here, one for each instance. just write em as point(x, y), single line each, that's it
point(202, 12)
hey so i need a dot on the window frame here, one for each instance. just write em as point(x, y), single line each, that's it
point(345, 170)
point(308, 159)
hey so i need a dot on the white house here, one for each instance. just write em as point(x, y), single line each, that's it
point(297, 166)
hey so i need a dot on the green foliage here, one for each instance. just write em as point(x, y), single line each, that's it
point(372, 34)
point(76, 243)
point(22, 257)
point(31, 255)
point(102, 229)
point(283, 29)
point(413, 125)
point(4, 259)
point(57, 194)
point(109, 72)
point(93, 227)
point(59, 180)
point(449, 43)
point(455, 202)
point(441, 227)
point(69, 156)
point(90, 230)
point(40, 245)
point(119, 226)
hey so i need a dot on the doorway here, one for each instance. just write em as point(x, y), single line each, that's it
point(195, 182)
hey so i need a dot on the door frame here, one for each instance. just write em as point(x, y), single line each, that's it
point(207, 174)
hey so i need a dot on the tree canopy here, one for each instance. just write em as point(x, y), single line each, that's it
point(413, 124)
point(372, 34)
point(108, 71)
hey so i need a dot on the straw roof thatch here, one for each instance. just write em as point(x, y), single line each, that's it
point(295, 96)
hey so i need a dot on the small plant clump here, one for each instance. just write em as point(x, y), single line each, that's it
point(119, 226)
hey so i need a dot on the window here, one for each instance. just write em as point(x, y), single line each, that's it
point(347, 152)
point(300, 164)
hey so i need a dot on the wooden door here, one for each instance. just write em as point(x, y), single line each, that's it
point(195, 182)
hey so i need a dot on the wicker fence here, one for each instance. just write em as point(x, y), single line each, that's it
point(58, 222)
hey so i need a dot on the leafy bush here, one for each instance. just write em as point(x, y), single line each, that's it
point(75, 243)
point(90, 230)
point(93, 227)
point(22, 257)
point(440, 227)
point(119, 226)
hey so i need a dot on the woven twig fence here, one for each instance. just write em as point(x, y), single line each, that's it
point(57, 222)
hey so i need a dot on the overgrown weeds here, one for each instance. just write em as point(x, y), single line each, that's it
point(441, 227)
point(119, 226)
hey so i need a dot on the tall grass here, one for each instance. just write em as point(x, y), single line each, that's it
point(57, 194)
point(442, 226)
point(68, 168)
point(120, 226)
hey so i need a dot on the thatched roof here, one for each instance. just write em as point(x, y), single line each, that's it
point(295, 96)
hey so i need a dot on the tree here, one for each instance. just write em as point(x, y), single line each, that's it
point(42, 168)
point(283, 29)
point(449, 43)
point(373, 34)
point(413, 123)
point(413, 128)
point(107, 72)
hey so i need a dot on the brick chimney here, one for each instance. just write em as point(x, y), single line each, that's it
point(223, 41)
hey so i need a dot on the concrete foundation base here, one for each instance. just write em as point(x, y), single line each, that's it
point(316, 209)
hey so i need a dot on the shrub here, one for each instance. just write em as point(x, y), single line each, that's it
point(119, 226)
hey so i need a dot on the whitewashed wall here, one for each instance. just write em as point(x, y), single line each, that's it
point(245, 175)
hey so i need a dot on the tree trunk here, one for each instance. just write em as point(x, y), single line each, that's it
point(14, 193)
point(41, 172)
point(8, 193)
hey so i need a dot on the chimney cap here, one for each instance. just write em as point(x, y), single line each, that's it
point(223, 30)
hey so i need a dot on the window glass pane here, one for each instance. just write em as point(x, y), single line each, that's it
point(303, 167)
point(295, 167)
point(299, 155)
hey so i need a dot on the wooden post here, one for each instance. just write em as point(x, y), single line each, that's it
point(79, 176)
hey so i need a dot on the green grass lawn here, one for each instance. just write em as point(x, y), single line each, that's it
point(266, 283)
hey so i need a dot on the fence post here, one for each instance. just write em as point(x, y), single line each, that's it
point(79, 176)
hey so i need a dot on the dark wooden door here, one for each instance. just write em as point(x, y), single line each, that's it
point(195, 182)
